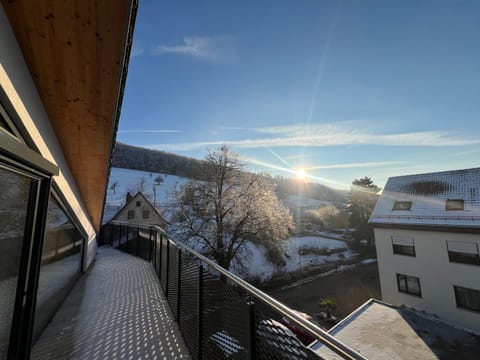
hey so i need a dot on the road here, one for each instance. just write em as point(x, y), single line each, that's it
point(350, 289)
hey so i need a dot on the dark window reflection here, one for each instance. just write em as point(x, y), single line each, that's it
point(14, 195)
point(60, 264)
point(4, 125)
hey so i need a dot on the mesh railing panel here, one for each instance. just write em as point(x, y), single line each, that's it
point(164, 253)
point(189, 302)
point(217, 316)
point(143, 244)
point(172, 292)
point(274, 340)
point(225, 331)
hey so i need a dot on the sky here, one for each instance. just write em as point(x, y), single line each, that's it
point(342, 89)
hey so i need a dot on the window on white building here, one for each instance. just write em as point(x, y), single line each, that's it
point(467, 298)
point(402, 205)
point(131, 214)
point(463, 252)
point(403, 245)
point(146, 214)
point(454, 204)
point(409, 284)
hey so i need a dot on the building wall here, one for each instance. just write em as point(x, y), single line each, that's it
point(153, 219)
point(437, 275)
point(17, 83)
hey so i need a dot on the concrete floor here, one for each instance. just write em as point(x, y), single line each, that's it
point(115, 311)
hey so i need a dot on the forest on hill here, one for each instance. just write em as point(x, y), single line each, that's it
point(138, 158)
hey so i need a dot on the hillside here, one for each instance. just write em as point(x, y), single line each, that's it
point(254, 262)
point(138, 158)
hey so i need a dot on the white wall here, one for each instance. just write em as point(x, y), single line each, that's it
point(17, 83)
point(153, 219)
point(437, 275)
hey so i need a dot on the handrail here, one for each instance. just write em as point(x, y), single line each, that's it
point(323, 336)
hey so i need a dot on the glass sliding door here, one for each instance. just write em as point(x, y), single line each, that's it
point(25, 182)
point(60, 266)
point(16, 190)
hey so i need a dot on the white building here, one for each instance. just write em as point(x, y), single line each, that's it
point(427, 233)
point(139, 210)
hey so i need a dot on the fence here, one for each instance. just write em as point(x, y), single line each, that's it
point(220, 315)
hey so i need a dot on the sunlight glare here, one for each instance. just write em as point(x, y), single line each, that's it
point(300, 173)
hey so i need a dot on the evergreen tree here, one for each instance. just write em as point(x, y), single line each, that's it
point(362, 200)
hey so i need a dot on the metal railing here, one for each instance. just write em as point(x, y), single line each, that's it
point(219, 314)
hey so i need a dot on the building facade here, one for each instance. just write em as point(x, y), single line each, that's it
point(139, 210)
point(427, 235)
point(62, 73)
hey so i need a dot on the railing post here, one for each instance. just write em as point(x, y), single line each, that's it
point(128, 231)
point(252, 330)
point(160, 251)
point(119, 237)
point(155, 260)
point(150, 244)
point(179, 267)
point(110, 232)
point(166, 267)
point(100, 236)
point(200, 310)
point(138, 235)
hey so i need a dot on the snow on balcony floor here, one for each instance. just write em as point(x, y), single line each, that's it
point(115, 311)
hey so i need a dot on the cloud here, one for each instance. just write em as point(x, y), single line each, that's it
point(333, 134)
point(150, 131)
point(215, 49)
point(353, 165)
point(136, 51)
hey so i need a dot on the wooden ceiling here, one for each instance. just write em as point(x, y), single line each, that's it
point(77, 52)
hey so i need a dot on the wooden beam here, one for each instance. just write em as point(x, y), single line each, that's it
point(75, 52)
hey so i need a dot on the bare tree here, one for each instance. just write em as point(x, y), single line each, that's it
point(231, 207)
point(114, 186)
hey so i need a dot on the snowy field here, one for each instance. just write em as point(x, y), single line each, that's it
point(255, 262)
point(304, 202)
point(259, 266)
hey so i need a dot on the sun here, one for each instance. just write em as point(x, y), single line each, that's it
point(300, 173)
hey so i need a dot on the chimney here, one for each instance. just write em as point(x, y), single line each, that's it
point(128, 197)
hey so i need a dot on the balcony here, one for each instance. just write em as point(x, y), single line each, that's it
point(218, 314)
point(148, 296)
point(117, 310)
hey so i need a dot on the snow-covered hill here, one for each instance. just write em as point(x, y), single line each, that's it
point(258, 266)
point(295, 259)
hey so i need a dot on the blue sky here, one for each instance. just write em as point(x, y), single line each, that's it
point(345, 89)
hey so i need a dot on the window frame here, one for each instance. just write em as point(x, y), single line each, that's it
point(10, 129)
point(131, 214)
point(397, 248)
point(419, 294)
point(459, 306)
point(15, 155)
point(147, 212)
point(449, 207)
point(397, 205)
point(456, 258)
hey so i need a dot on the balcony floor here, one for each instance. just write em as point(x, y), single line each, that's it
point(115, 311)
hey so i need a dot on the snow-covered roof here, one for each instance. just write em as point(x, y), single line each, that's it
point(378, 330)
point(428, 194)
